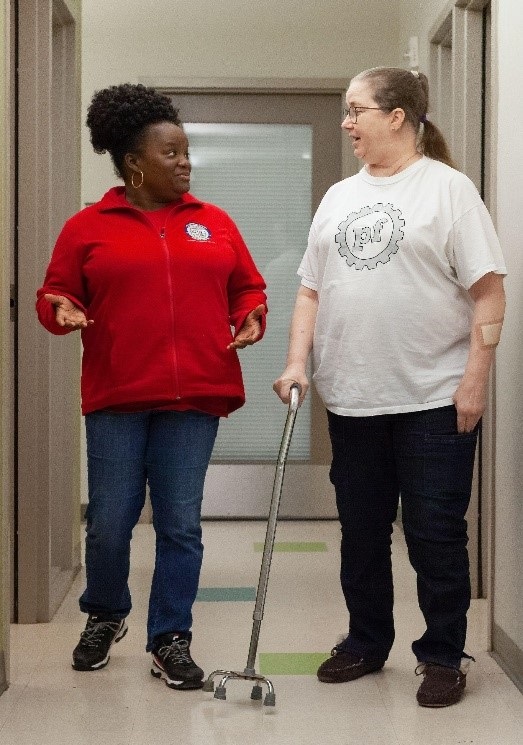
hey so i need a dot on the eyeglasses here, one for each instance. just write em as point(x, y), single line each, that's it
point(353, 111)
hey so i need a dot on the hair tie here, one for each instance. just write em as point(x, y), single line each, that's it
point(423, 119)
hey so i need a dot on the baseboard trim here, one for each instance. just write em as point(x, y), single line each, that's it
point(508, 655)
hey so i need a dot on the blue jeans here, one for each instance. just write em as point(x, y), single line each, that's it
point(421, 456)
point(171, 451)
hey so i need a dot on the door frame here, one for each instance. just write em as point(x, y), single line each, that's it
point(7, 28)
point(47, 522)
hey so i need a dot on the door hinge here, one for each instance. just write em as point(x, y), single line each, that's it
point(12, 303)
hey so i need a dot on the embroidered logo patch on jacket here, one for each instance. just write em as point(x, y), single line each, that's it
point(197, 232)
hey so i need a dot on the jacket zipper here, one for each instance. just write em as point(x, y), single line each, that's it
point(176, 380)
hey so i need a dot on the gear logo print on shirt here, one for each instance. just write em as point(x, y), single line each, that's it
point(370, 237)
point(197, 232)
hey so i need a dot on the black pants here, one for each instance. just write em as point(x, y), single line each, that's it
point(421, 456)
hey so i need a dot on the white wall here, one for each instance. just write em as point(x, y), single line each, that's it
point(508, 591)
point(136, 40)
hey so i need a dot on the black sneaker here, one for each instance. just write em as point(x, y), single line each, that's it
point(172, 661)
point(92, 651)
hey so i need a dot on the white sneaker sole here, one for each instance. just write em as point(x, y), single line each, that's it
point(157, 671)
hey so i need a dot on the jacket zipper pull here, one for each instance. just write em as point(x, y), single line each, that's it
point(162, 233)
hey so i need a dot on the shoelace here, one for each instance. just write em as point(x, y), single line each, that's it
point(177, 650)
point(95, 630)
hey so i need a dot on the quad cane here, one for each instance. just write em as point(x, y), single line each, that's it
point(250, 673)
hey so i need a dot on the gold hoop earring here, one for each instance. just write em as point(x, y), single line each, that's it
point(136, 186)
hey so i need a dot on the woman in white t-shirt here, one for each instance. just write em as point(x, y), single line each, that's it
point(401, 302)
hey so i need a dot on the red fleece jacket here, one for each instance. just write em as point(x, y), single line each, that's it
point(162, 301)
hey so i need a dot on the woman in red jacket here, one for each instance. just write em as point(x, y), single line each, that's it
point(154, 279)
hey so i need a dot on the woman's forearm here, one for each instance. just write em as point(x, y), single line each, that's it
point(301, 335)
point(489, 309)
point(302, 328)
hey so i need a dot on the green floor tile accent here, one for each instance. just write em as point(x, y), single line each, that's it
point(294, 547)
point(291, 663)
point(226, 594)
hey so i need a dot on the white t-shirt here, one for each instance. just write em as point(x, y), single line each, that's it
point(392, 259)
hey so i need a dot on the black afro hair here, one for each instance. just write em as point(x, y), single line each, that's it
point(118, 115)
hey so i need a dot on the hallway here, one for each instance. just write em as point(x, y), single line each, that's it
point(50, 704)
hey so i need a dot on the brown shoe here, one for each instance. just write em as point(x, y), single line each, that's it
point(342, 666)
point(441, 686)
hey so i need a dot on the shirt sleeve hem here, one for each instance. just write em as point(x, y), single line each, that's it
point(309, 283)
point(485, 270)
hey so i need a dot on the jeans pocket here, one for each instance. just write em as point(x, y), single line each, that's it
point(449, 461)
point(448, 439)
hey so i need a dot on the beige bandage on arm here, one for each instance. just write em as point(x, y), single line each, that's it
point(490, 333)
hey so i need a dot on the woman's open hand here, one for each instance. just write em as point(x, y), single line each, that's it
point(67, 314)
point(250, 330)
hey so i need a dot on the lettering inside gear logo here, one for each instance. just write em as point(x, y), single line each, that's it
point(358, 236)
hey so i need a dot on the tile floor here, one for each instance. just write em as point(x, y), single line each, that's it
point(48, 703)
